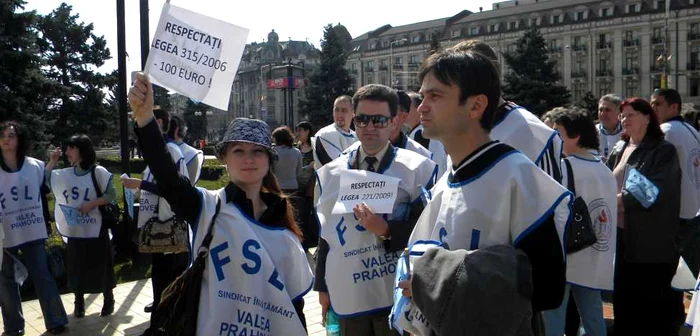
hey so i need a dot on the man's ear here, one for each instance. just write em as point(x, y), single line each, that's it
point(480, 103)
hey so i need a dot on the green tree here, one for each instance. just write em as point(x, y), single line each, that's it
point(532, 81)
point(195, 116)
point(328, 81)
point(161, 97)
point(434, 44)
point(24, 90)
point(72, 53)
point(589, 102)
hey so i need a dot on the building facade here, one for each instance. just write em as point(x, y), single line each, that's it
point(610, 46)
point(268, 72)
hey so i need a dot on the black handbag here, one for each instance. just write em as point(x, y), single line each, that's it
point(110, 211)
point(579, 231)
point(176, 313)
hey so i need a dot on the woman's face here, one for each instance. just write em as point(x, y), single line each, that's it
point(302, 134)
point(73, 155)
point(246, 163)
point(634, 123)
point(8, 140)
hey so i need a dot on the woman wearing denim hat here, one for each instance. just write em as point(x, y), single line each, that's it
point(256, 272)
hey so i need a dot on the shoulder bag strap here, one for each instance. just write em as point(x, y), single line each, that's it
point(94, 182)
point(204, 248)
point(570, 177)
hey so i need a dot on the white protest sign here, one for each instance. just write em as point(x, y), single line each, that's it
point(195, 55)
point(360, 186)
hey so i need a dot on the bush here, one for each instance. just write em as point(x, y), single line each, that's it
point(211, 171)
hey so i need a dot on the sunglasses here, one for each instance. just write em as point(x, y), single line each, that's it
point(377, 121)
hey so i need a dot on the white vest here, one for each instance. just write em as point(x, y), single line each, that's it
point(152, 205)
point(693, 317)
point(192, 156)
point(687, 142)
point(592, 267)
point(475, 213)
point(334, 141)
point(439, 155)
point(70, 190)
point(607, 140)
point(496, 207)
point(522, 130)
point(252, 275)
point(20, 204)
point(359, 272)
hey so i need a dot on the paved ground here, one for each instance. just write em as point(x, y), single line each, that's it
point(129, 318)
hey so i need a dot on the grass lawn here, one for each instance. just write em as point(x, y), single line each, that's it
point(125, 269)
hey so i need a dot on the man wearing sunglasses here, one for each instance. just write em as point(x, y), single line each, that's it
point(493, 195)
point(398, 138)
point(358, 251)
point(335, 138)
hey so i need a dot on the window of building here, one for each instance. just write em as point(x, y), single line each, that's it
point(578, 41)
point(382, 63)
point(512, 25)
point(370, 65)
point(580, 64)
point(534, 22)
point(605, 12)
point(694, 87)
point(578, 91)
point(660, 4)
point(474, 31)
point(413, 59)
point(630, 60)
point(456, 33)
point(579, 16)
point(631, 88)
point(604, 88)
point(556, 19)
point(353, 66)
point(695, 29)
point(398, 60)
point(386, 44)
point(415, 39)
point(512, 48)
point(656, 32)
point(633, 8)
point(604, 63)
point(694, 57)
point(493, 28)
point(553, 44)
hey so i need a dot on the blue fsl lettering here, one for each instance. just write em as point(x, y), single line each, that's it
point(248, 250)
point(341, 228)
point(252, 256)
point(219, 262)
point(14, 192)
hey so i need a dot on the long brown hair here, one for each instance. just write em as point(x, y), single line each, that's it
point(271, 186)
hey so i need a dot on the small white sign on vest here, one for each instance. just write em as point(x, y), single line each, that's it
point(360, 186)
point(195, 55)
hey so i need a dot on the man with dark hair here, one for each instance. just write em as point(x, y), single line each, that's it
point(437, 150)
point(667, 104)
point(516, 126)
point(165, 267)
point(398, 138)
point(359, 248)
point(494, 194)
point(194, 158)
point(335, 138)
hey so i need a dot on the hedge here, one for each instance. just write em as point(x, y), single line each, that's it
point(212, 170)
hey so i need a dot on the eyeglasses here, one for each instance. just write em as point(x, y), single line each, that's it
point(9, 136)
point(623, 116)
point(377, 121)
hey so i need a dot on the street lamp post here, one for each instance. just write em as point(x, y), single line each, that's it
point(391, 60)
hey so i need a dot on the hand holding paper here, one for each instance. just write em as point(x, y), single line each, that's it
point(141, 99)
point(641, 188)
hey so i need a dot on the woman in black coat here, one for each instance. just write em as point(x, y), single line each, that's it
point(646, 259)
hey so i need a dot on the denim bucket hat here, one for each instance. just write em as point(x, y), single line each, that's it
point(252, 131)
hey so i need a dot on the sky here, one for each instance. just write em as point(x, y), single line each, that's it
point(298, 20)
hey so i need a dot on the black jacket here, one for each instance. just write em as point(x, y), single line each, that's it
point(649, 232)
